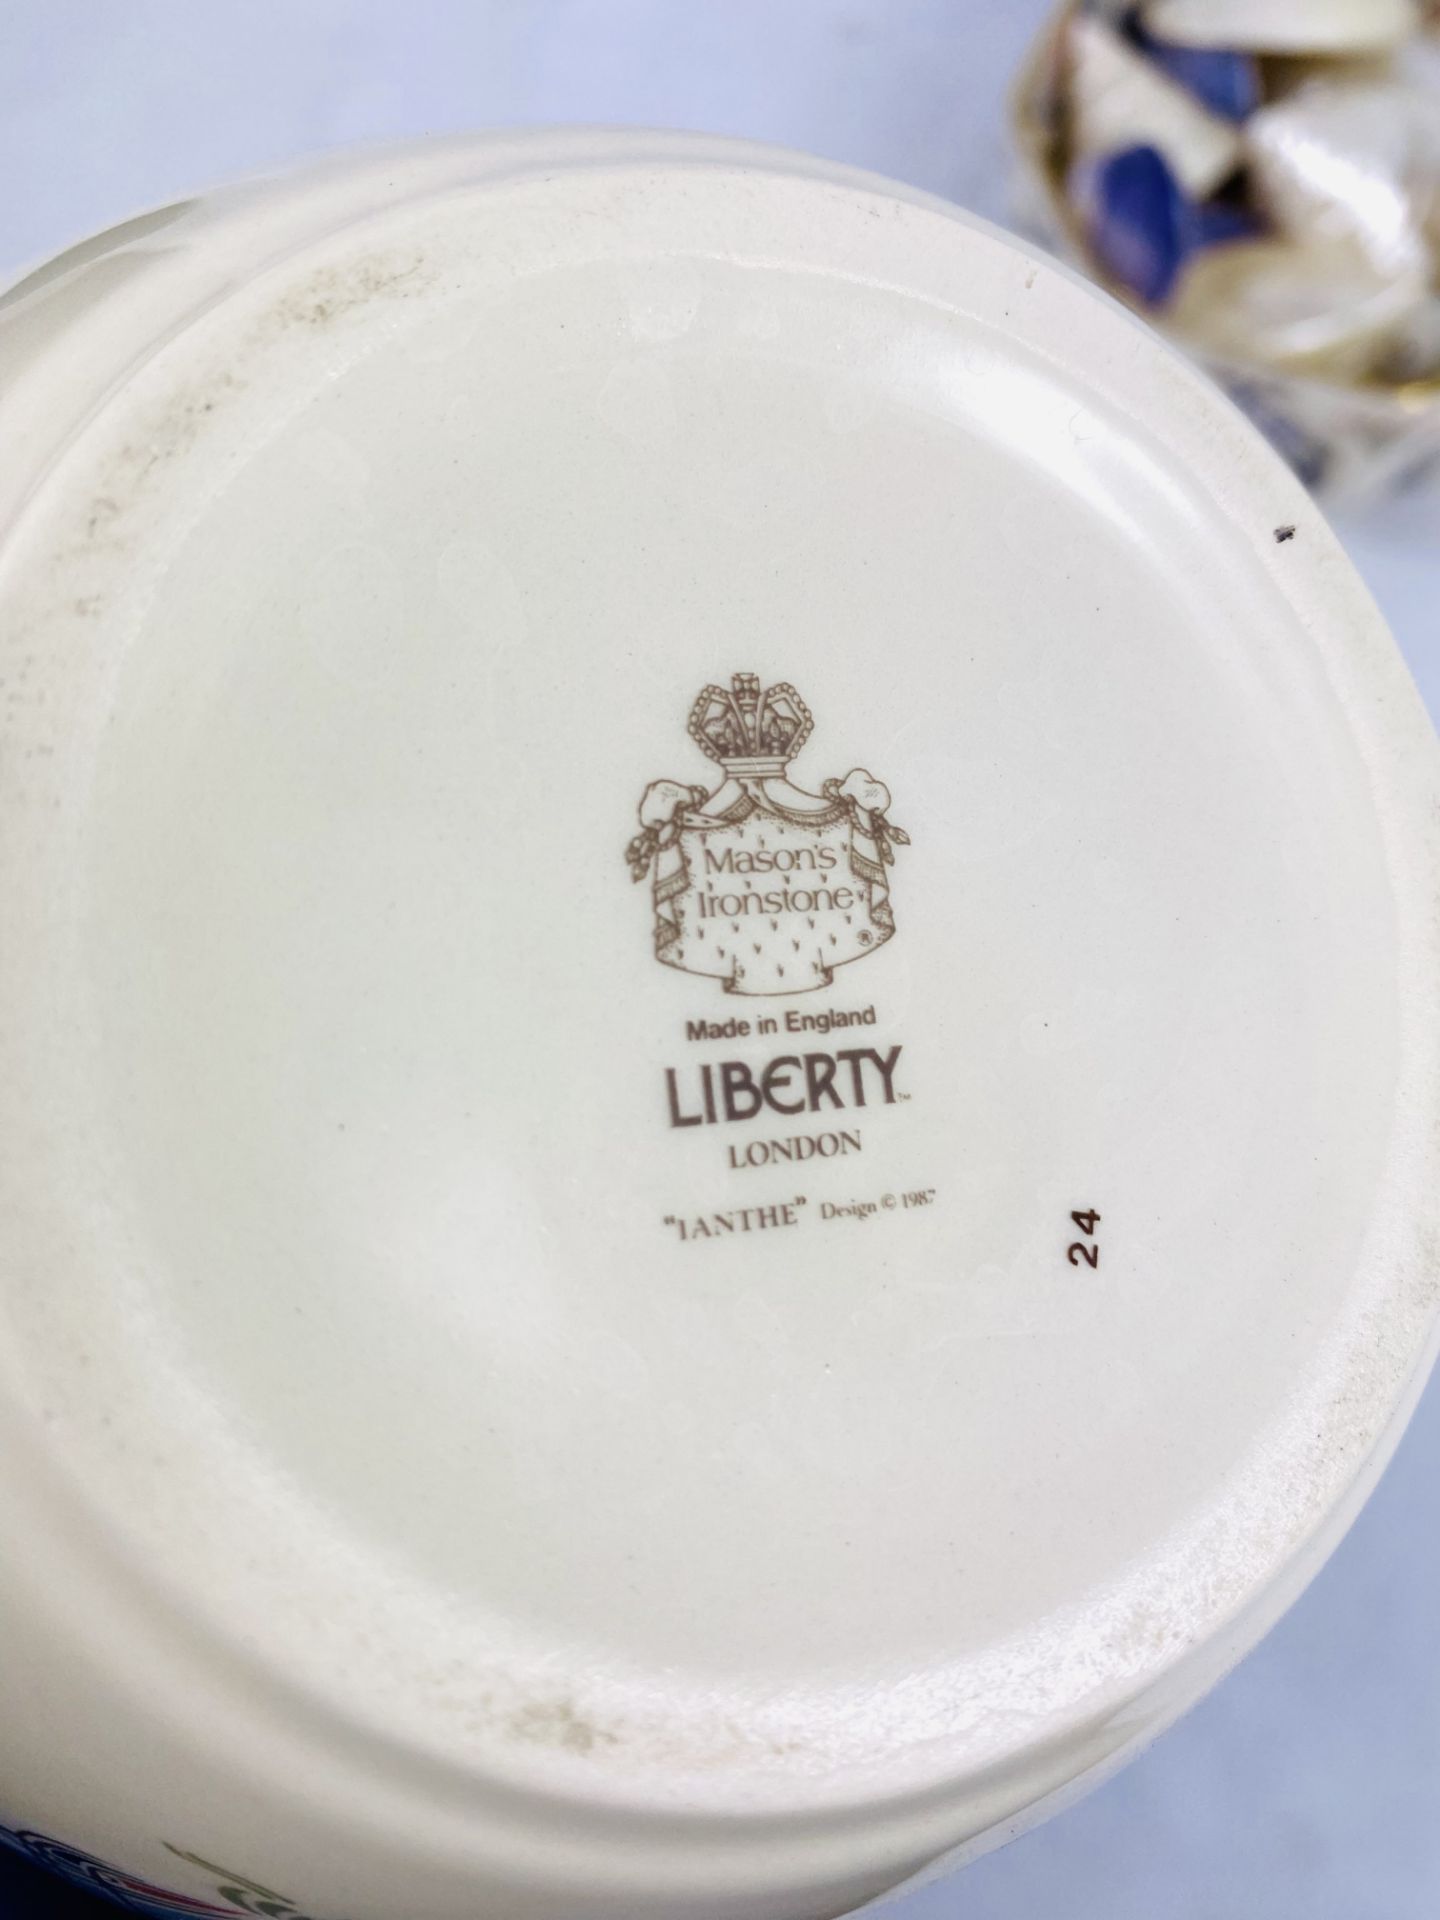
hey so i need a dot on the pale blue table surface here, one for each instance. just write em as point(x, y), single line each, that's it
point(1308, 1786)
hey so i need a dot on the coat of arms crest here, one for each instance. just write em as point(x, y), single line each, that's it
point(758, 883)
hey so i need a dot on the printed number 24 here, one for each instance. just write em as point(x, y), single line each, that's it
point(1078, 1251)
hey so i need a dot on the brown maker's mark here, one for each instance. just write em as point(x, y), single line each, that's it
point(760, 884)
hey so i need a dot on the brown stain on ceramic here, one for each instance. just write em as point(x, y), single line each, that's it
point(558, 1723)
point(332, 292)
point(318, 301)
point(98, 533)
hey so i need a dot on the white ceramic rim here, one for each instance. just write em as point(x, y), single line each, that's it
point(1244, 481)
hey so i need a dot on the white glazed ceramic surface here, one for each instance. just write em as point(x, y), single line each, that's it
point(717, 1039)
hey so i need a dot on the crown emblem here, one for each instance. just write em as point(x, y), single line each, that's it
point(761, 884)
point(743, 726)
